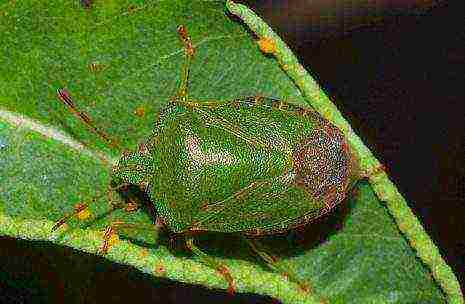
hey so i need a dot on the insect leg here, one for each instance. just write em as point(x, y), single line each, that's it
point(64, 96)
point(271, 260)
point(222, 269)
point(189, 50)
point(110, 234)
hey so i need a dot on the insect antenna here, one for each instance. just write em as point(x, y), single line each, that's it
point(64, 97)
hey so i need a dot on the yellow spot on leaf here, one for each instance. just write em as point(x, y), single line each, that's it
point(195, 268)
point(159, 269)
point(267, 45)
point(112, 240)
point(144, 253)
point(96, 67)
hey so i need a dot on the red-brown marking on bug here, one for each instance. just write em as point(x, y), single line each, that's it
point(274, 258)
point(258, 99)
point(305, 287)
point(81, 210)
point(142, 148)
point(328, 198)
point(126, 153)
point(322, 166)
point(204, 206)
point(303, 112)
point(195, 227)
point(131, 206)
point(254, 232)
point(143, 186)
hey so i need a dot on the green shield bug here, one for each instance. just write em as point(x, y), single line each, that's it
point(253, 166)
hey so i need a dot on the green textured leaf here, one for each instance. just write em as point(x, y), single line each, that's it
point(356, 255)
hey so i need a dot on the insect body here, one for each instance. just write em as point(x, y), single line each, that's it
point(241, 166)
point(252, 166)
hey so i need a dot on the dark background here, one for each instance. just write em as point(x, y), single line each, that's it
point(397, 72)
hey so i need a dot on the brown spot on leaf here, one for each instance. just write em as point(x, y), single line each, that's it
point(204, 206)
point(87, 4)
point(144, 253)
point(159, 269)
point(140, 111)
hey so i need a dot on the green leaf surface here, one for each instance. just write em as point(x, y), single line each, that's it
point(355, 255)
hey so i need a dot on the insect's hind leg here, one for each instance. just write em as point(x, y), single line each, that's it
point(222, 269)
point(189, 51)
point(272, 262)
